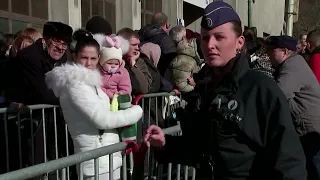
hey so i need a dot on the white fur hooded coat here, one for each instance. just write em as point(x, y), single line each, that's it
point(86, 109)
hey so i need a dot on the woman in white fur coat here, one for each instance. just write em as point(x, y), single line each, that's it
point(86, 107)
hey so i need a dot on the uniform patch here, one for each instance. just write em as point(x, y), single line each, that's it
point(232, 105)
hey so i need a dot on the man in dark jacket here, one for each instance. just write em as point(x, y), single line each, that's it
point(33, 62)
point(302, 90)
point(157, 33)
point(28, 71)
point(141, 78)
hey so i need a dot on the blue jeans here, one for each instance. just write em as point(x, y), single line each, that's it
point(311, 146)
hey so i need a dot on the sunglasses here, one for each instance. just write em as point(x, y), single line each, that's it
point(59, 44)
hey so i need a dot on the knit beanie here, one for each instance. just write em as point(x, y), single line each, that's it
point(112, 47)
point(107, 54)
point(99, 25)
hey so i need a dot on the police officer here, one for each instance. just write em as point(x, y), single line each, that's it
point(237, 125)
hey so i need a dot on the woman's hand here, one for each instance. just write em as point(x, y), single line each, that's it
point(154, 137)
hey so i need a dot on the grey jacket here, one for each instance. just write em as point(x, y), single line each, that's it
point(300, 86)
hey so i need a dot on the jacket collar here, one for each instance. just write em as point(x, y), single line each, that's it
point(239, 68)
point(316, 50)
point(231, 81)
point(70, 73)
point(280, 67)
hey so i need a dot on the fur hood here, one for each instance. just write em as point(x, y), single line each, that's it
point(70, 73)
point(100, 38)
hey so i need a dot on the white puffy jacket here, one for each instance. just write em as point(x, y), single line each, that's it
point(86, 109)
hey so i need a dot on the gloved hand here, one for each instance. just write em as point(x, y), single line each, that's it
point(139, 153)
point(139, 156)
point(132, 147)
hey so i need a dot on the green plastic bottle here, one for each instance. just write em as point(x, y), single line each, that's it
point(127, 133)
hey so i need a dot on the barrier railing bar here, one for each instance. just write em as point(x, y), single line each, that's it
point(29, 107)
point(7, 140)
point(141, 96)
point(111, 166)
point(78, 158)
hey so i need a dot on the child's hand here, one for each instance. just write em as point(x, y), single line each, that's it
point(176, 91)
point(122, 93)
point(191, 81)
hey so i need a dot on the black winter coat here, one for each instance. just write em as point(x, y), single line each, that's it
point(239, 129)
point(28, 70)
point(156, 35)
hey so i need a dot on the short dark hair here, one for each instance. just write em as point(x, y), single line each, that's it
point(260, 41)
point(127, 33)
point(249, 35)
point(314, 37)
point(86, 42)
point(159, 18)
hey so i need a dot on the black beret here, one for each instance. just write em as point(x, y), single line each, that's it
point(99, 25)
point(57, 30)
point(282, 41)
point(218, 13)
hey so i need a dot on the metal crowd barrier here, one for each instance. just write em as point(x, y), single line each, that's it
point(45, 168)
point(28, 134)
point(37, 134)
point(159, 109)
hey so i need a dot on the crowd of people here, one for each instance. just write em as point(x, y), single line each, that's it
point(252, 103)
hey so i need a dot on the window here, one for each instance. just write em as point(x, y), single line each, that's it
point(18, 26)
point(85, 11)
point(148, 8)
point(38, 27)
point(4, 5)
point(22, 14)
point(110, 14)
point(4, 25)
point(39, 9)
point(20, 7)
point(103, 8)
point(97, 8)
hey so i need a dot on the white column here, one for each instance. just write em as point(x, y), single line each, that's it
point(173, 9)
point(66, 11)
point(128, 14)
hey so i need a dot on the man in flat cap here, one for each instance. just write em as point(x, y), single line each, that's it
point(300, 86)
point(33, 62)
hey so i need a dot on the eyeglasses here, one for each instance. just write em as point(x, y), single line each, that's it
point(59, 44)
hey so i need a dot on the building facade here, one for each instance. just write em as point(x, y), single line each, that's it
point(15, 15)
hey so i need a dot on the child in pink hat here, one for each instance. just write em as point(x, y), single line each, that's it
point(116, 79)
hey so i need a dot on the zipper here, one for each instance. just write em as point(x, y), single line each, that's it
point(100, 136)
point(100, 139)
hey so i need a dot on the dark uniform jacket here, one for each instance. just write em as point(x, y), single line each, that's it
point(239, 129)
